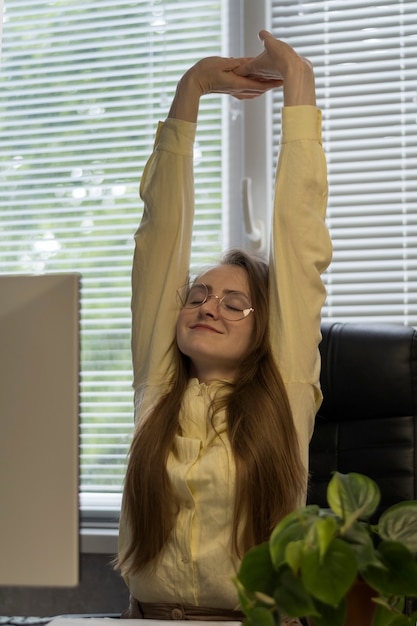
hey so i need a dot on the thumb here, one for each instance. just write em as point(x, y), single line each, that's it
point(264, 34)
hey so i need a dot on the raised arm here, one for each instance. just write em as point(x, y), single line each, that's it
point(163, 240)
point(300, 246)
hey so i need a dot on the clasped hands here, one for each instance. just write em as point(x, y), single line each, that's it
point(245, 78)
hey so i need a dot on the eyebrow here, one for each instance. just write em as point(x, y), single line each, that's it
point(225, 291)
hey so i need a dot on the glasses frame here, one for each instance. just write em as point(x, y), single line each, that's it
point(187, 288)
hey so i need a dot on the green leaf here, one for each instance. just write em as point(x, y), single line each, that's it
point(385, 617)
point(326, 530)
point(294, 554)
point(360, 541)
point(399, 576)
point(260, 616)
point(291, 596)
point(256, 572)
point(401, 620)
point(329, 616)
point(399, 523)
point(330, 576)
point(292, 527)
point(246, 599)
point(261, 597)
point(352, 496)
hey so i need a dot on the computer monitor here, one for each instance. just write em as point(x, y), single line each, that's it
point(39, 408)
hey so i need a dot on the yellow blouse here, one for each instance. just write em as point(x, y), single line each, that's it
point(197, 564)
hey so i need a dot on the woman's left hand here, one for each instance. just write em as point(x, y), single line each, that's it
point(220, 75)
point(216, 75)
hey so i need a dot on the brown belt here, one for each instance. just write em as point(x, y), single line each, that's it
point(166, 610)
point(177, 611)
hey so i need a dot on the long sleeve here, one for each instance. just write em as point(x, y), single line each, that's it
point(300, 252)
point(162, 252)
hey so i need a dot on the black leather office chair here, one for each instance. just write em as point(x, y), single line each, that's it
point(368, 420)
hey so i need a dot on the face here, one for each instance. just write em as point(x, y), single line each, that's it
point(216, 346)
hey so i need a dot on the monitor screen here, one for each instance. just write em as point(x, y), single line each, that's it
point(39, 407)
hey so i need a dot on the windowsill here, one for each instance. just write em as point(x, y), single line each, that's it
point(98, 540)
point(99, 522)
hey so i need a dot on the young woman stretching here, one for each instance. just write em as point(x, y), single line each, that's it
point(226, 385)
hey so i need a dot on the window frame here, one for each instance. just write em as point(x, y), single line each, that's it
point(248, 132)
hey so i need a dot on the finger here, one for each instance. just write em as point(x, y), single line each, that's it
point(246, 69)
point(256, 70)
point(243, 60)
point(265, 75)
point(264, 34)
point(236, 64)
point(248, 94)
point(260, 85)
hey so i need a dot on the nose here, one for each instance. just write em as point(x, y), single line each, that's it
point(210, 306)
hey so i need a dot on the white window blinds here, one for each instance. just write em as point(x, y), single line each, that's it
point(1, 23)
point(364, 55)
point(82, 86)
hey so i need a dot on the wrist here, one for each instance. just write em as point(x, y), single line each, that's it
point(299, 88)
point(187, 98)
point(190, 85)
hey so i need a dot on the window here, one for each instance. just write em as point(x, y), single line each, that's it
point(83, 84)
point(1, 21)
point(364, 55)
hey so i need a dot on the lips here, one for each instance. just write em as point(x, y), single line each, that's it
point(205, 327)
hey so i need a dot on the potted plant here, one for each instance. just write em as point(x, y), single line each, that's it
point(318, 562)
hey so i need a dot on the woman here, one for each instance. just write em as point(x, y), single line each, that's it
point(227, 387)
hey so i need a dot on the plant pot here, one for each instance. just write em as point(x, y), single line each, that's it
point(360, 608)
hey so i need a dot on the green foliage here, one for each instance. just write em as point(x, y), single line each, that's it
point(314, 556)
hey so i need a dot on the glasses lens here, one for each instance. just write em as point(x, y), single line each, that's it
point(196, 296)
point(235, 306)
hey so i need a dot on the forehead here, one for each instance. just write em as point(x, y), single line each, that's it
point(226, 278)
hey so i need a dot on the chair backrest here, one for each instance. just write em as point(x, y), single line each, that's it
point(368, 420)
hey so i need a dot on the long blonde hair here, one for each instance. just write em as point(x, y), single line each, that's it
point(269, 472)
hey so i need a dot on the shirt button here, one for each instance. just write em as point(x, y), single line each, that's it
point(185, 559)
point(177, 613)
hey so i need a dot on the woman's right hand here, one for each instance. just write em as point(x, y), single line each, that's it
point(279, 59)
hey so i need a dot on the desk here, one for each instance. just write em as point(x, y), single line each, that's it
point(109, 621)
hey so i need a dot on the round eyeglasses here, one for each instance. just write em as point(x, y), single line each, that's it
point(233, 306)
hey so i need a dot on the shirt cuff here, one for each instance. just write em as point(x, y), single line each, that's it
point(301, 122)
point(176, 136)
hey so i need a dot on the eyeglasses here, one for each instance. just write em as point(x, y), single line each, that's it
point(234, 306)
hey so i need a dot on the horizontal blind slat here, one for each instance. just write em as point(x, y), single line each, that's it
point(365, 56)
point(83, 86)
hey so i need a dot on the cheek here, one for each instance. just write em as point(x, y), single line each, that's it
point(181, 320)
point(252, 335)
point(247, 336)
point(250, 328)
